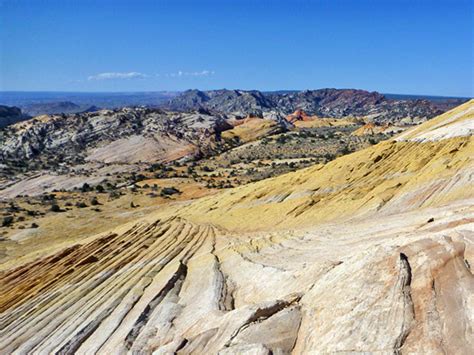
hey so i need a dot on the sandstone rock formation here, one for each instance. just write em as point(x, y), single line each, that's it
point(95, 135)
point(370, 253)
point(370, 129)
point(299, 115)
point(253, 128)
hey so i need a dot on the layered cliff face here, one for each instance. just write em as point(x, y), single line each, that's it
point(369, 253)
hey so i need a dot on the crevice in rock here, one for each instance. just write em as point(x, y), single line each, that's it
point(246, 258)
point(226, 298)
point(264, 313)
point(226, 292)
point(408, 308)
point(142, 320)
point(181, 345)
point(297, 335)
point(436, 314)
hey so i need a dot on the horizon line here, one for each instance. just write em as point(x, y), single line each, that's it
point(181, 91)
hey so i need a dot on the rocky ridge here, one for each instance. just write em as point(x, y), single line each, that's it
point(80, 135)
point(229, 101)
point(332, 103)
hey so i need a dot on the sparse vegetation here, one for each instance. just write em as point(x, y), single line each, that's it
point(55, 208)
point(168, 191)
point(7, 221)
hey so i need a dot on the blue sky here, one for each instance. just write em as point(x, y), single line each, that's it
point(403, 46)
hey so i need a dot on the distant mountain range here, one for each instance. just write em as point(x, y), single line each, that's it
point(102, 99)
point(334, 103)
point(51, 108)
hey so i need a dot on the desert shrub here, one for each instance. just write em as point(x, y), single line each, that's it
point(94, 201)
point(7, 220)
point(346, 150)
point(110, 186)
point(114, 195)
point(169, 191)
point(81, 204)
point(155, 167)
point(282, 139)
point(55, 208)
point(48, 197)
point(139, 177)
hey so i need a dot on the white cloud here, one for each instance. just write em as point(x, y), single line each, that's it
point(194, 73)
point(137, 75)
point(115, 75)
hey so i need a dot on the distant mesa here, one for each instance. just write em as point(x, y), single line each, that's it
point(49, 108)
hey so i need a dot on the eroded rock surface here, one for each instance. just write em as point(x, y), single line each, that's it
point(175, 286)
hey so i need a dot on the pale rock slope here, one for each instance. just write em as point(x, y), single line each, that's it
point(370, 253)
